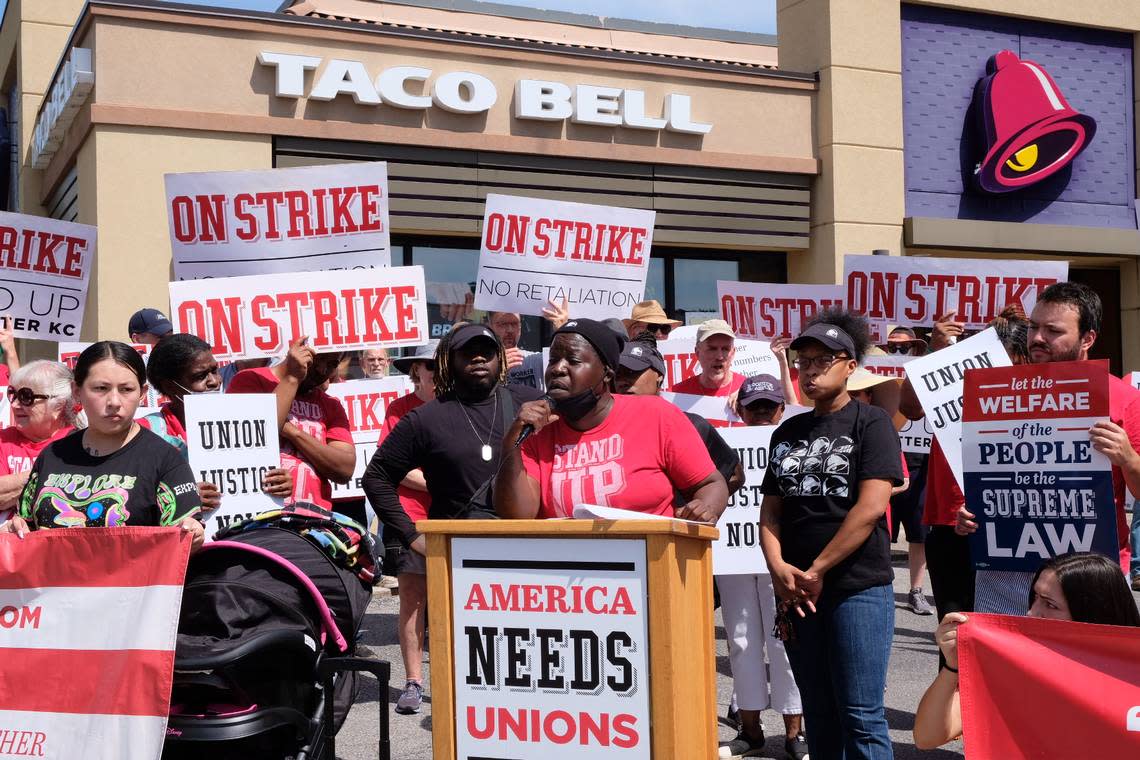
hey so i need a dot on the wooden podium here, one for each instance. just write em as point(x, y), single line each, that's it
point(574, 638)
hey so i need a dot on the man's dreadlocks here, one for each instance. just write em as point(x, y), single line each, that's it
point(444, 382)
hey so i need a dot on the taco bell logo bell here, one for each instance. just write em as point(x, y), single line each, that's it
point(1031, 131)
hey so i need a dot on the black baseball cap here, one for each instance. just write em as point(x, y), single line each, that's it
point(150, 321)
point(464, 334)
point(829, 335)
point(761, 387)
point(638, 357)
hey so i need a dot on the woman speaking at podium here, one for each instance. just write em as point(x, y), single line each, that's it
point(591, 447)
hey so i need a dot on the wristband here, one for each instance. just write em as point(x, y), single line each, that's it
point(952, 670)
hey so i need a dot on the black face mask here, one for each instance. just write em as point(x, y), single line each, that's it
point(577, 406)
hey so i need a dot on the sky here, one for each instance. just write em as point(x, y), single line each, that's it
point(738, 15)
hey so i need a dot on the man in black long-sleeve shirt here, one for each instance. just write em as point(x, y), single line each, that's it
point(455, 439)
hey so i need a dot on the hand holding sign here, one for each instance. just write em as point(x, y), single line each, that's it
point(299, 359)
point(1111, 440)
point(946, 331)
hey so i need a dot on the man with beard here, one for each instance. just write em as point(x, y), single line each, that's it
point(316, 444)
point(455, 440)
point(1063, 327)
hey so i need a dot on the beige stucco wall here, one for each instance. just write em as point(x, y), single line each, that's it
point(858, 199)
point(121, 190)
point(758, 122)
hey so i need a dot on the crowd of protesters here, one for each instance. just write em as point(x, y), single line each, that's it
point(485, 434)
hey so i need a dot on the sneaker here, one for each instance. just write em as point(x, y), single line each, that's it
point(797, 748)
point(917, 603)
point(1136, 582)
point(742, 746)
point(410, 699)
point(388, 581)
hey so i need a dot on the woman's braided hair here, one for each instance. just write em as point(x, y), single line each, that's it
point(1012, 329)
point(444, 382)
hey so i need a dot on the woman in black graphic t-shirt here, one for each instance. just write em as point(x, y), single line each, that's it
point(824, 534)
point(112, 473)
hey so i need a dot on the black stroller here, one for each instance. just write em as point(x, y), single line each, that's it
point(264, 664)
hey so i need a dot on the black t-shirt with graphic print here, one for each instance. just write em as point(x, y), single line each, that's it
point(815, 466)
point(146, 482)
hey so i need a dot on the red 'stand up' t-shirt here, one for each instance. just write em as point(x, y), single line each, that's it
point(644, 450)
point(315, 413)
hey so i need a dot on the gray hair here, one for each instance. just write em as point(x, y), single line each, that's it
point(50, 378)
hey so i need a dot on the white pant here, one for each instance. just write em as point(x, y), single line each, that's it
point(748, 604)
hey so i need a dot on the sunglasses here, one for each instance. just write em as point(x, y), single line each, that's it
point(26, 396)
point(659, 329)
point(898, 348)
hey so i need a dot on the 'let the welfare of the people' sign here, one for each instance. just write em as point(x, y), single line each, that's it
point(1033, 480)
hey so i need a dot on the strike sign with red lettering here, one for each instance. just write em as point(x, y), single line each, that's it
point(255, 316)
point(1033, 480)
point(45, 265)
point(365, 402)
point(551, 648)
point(535, 251)
point(227, 224)
point(916, 291)
point(770, 310)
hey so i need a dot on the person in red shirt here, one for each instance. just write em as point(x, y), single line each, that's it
point(42, 412)
point(182, 364)
point(316, 444)
point(592, 447)
point(715, 350)
point(1063, 327)
point(411, 568)
point(950, 567)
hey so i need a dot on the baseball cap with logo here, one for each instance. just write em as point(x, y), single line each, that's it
point(713, 327)
point(150, 321)
point(638, 357)
point(829, 335)
point(761, 387)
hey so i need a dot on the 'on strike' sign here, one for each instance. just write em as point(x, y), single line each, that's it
point(915, 291)
point(1033, 478)
point(300, 219)
point(254, 316)
point(366, 403)
point(534, 251)
point(769, 310)
point(551, 648)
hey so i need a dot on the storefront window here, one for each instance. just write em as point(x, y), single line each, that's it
point(450, 277)
point(694, 286)
point(655, 281)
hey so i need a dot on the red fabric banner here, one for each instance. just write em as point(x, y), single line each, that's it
point(88, 620)
point(1033, 688)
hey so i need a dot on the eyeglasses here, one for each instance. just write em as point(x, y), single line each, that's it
point(897, 348)
point(659, 329)
point(26, 396)
point(804, 363)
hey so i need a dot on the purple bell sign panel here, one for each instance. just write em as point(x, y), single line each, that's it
point(1016, 120)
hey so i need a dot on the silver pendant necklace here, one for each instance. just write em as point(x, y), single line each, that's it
point(485, 451)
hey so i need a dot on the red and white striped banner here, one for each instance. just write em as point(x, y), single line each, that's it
point(88, 620)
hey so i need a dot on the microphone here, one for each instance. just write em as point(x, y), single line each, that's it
point(528, 429)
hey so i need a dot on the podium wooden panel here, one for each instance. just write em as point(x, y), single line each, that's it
point(681, 662)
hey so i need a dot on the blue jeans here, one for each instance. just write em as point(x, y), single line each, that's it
point(839, 659)
point(1135, 538)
